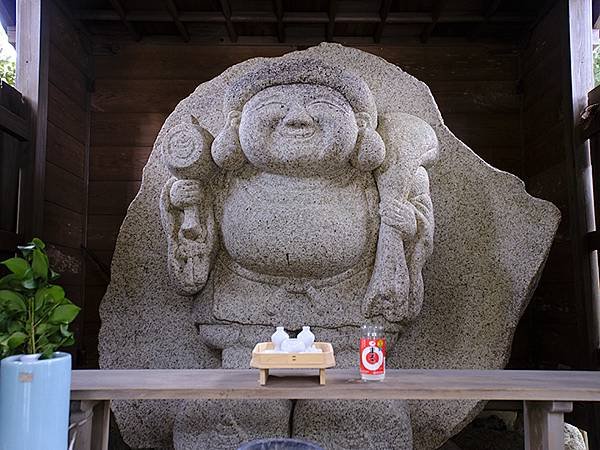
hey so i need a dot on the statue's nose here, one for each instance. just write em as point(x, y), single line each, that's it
point(298, 117)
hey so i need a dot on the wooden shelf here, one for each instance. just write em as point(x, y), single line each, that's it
point(341, 384)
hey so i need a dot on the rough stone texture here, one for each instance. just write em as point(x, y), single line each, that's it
point(573, 438)
point(491, 240)
point(490, 432)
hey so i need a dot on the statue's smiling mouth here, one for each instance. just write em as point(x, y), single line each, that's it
point(297, 132)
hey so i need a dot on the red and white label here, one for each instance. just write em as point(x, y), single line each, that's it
point(372, 356)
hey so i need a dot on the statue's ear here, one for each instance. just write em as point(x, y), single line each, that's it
point(370, 149)
point(226, 149)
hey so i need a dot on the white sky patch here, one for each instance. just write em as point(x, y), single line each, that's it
point(7, 51)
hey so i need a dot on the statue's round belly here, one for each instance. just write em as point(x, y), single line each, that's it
point(300, 232)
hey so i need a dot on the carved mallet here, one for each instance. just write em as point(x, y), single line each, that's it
point(186, 153)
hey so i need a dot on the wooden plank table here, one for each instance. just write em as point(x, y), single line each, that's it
point(547, 395)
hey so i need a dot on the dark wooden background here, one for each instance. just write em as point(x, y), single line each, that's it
point(107, 101)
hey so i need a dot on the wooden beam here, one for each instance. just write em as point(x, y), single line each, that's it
point(33, 41)
point(116, 4)
point(331, 13)
point(84, 35)
point(383, 14)
point(578, 82)
point(299, 17)
point(278, 7)
point(172, 8)
point(14, 125)
point(575, 29)
point(226, 9)
point(436, 12)
point(407, 384)
point(489, 10)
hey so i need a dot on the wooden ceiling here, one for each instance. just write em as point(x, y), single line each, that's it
point(308, 21)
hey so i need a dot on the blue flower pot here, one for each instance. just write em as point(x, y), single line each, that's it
point(34, 403)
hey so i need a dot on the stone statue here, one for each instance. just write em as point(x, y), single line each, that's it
point(306, 208)
point(301, 190)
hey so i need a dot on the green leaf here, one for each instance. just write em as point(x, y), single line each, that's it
point(57, 293)
point(64, 314)
point(64, 330)
point(8, 281)
point(18, 266)
point(47, 351)
point(13, 300)
point(53, 275)
point(45, 328)
point(40, 264)
point(15, 326)
point(39, 299)
point(16, 339)
point(38, 243)
point(68, 341)
point(29, 283)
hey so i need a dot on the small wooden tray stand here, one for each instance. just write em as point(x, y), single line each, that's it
point(265, 361)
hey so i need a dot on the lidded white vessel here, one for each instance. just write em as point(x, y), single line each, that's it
point(307, 337)
point(278, 337)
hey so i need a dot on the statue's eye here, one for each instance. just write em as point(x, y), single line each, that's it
point(272, 106)
point(325, 104)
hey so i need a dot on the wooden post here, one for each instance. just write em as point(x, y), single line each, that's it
point(322, 379)
point(84, 424)
point(263, 374)
point(544, 424)
point(100, 424)
point(33, 37)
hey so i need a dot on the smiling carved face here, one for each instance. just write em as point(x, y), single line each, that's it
point(298, 129)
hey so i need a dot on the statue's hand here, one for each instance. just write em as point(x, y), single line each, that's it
point(400, 215)
point(187, 216)
point(388, 293)
point(186, 193)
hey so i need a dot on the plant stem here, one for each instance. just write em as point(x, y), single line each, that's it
point(32, 346)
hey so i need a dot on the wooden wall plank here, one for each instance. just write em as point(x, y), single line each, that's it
point(118, 163)
point(466, 62)
point(112, 197)
point(486, 130)
point(67, 76)
point(163, 62)
point(134, 96)
point(66, 114)
point(64, 189)
point(65, 151)
point(103, 231)
point(95, 275)
point(469, 62)
point(62, 226)
point(64, 36)
point(126, 129)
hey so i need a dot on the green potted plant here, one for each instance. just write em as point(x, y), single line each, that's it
point(35, 377)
